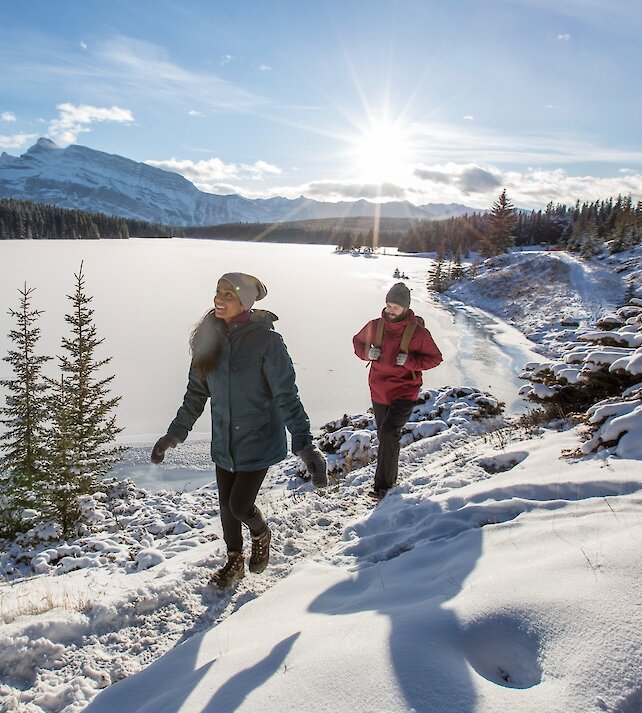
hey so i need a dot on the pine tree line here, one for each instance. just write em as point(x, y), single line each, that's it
point(24, 220)
point(584, 228)
point(59, 433)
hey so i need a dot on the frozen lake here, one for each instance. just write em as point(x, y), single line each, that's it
point(149, 293)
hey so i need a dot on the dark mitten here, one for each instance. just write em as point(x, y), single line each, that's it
point(162, 444)
point(316, 465)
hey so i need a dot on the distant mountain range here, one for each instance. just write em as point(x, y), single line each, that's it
point(82, 178)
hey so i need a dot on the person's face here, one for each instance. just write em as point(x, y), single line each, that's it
point(227, 304)
point(393, 311)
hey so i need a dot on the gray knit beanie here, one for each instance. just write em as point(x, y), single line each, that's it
point(248, 288)
point(399, 294)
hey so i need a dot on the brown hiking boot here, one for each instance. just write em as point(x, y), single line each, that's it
point(230, 572)
point(260, 551)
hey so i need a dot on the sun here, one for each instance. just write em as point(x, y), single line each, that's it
point(382, 151)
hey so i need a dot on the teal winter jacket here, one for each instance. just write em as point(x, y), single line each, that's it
point(253, 396)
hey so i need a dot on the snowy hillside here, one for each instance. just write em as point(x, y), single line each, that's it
point(544, 294)
point(80, 177)
point(496, 578)
point(500, 576)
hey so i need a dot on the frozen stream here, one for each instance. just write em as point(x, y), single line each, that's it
point(149, 293)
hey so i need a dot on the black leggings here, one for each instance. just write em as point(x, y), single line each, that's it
point(236, 495)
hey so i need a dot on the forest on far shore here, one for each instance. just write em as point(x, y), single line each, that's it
point(582, 228)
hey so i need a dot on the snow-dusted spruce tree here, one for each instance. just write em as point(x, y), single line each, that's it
point(499, 237)
point(63, 488)
point(23, 416)
point(82, 439)
point(437, 279)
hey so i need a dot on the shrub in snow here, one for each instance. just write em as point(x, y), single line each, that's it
point(619, 425)
point(351, 442)
point(597, 377)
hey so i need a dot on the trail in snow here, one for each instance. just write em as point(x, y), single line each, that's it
point(598, 288)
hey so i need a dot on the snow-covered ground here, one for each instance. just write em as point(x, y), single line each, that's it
point(547, 294)
point(499, 576)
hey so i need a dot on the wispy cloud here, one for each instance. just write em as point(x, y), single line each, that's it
point(74, 120)
point(207, 175)
point(473, 144)
point(119, 70)
point(564, 37)
point(83, 46)
point(265, 68)
point(193, 112)
point(339, 190)
point(17, 141)
point(7, 116)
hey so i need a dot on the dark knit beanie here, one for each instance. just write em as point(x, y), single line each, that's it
point(399, 294)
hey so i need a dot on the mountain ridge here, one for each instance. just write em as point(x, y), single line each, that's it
point(79, 177)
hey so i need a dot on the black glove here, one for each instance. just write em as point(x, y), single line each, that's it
point(316, 465)
point(162, 444)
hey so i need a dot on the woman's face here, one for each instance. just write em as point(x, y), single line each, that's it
point(227, 304)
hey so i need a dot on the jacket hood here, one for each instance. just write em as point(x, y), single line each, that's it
point(263, 316)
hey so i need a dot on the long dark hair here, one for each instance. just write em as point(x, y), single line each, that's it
point(205, 344)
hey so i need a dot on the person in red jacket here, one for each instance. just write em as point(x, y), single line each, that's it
point(399, 348)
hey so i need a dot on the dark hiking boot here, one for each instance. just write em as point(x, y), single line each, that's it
point(378, 493)
point(260, 551)
point(230, 572)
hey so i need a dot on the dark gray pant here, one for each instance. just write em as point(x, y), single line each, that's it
point(390, 418)
point(236, 495)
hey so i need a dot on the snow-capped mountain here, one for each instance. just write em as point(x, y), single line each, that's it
point(86, 179)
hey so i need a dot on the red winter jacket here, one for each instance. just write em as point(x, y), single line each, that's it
point(389, 382)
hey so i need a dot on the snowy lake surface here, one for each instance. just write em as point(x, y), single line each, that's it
point(149, 293)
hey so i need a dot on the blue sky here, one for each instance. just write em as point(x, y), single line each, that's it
point(400, 99)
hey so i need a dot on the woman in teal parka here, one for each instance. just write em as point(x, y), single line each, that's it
point(242, 365)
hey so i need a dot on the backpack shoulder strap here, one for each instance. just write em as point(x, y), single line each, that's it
point(379, 333)
point(407, 336)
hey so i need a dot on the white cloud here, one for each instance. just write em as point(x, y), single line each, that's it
point(74, 120)
point(193, 112)
point(265, 68)
point(16, 141)
point(226, 59)
point(83, 45)
point(7, 116)
point(340, 190)
point(469, 117)
point(565, 37)
point(478, 186)
point(207, 175)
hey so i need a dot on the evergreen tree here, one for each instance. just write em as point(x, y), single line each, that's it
point(63, 486)
point(84, 425)
point(501, 222)
point(437, 281)
point(24, 416)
